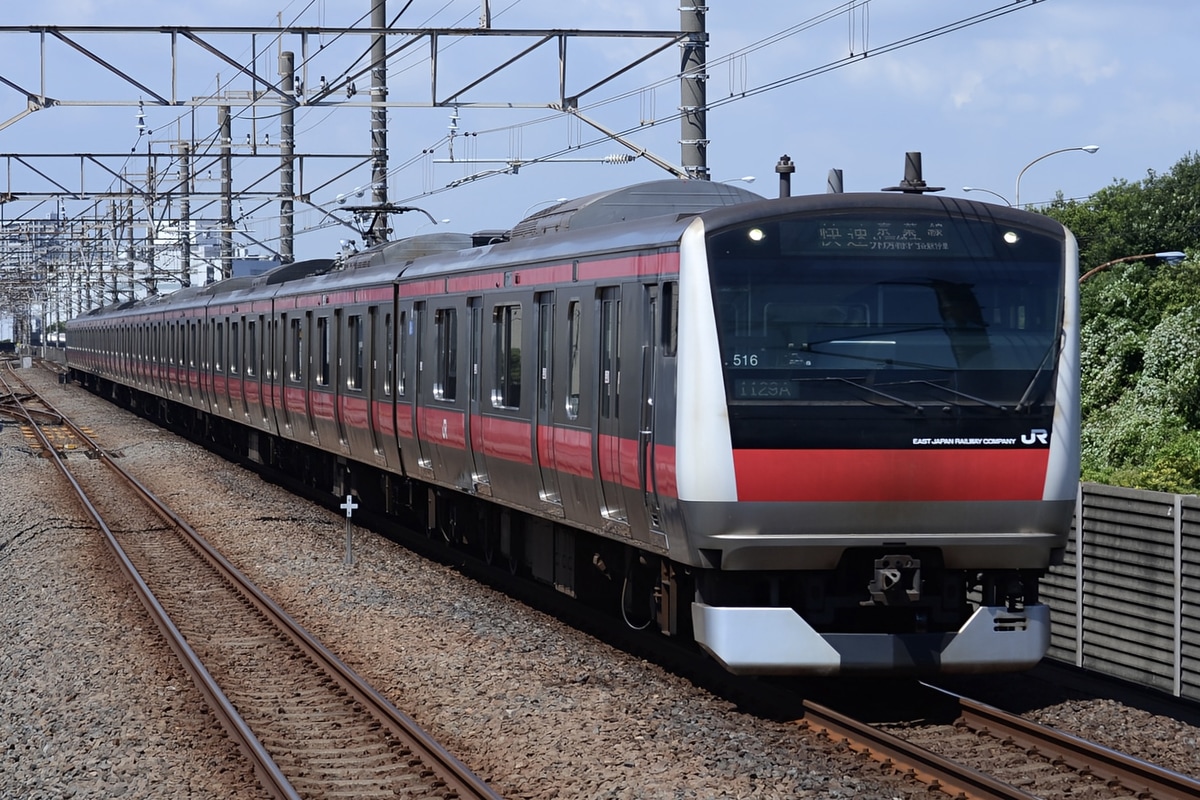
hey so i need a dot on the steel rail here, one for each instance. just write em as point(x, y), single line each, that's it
point(459, 778)
point(1141, 778)
point(265, 768)
point(940, 773)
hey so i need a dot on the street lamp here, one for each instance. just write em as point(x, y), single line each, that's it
point(989, 191)
point(1088, 148)
point(1170, 256)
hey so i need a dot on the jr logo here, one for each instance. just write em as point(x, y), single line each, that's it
point(1035, 436)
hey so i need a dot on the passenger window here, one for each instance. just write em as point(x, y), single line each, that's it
point(574, 322)
point(219, 347)
point(296, 368)
point(251, 348)
point(506, 332)
point(357, 354)
point(445, 385)
point(670, 317)
point(323, 344)
point(389, 354)
point(402, 355)
point(235, 349)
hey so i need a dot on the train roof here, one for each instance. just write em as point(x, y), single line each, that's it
point(848, 202)
point(658, 204)
point(640, 201)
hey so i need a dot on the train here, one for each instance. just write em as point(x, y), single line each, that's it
point(823, 435)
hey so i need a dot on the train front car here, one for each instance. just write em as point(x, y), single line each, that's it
point(878, 432)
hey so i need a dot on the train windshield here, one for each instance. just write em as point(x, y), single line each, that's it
point(888, 308)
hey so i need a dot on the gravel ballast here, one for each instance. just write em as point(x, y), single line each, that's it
point(95, 703)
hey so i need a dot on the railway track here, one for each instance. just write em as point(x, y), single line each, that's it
point(308, 724)
point(990, 753)
point(984, 753)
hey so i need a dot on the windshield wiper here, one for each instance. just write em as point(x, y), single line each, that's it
point(957, 393)
point(891, 362)
point(1022, 405)
point(915, 406)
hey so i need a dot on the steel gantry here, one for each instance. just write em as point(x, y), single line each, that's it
point(167, 200)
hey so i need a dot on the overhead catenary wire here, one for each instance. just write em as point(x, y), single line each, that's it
point(856, 27)
point(839, 63)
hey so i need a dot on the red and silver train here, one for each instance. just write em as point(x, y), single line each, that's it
point(828, 434)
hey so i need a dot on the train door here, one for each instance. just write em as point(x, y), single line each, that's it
point(347, 347)
point(421, 379)
point(292, 400)
point(543, 431)
point(476, 462)
point(444, 397)
point(379, 381)
point(272, 373)
point(641, 323)
point(316, 330)
point(237, 378)
point(287, 360)
point(608, 408)
point(192, 368)
point(205, 370)
point(228, 367)
point(252, 373)
point(157, 360)
point(171, 361)
point(175, 371)
point(405, 386)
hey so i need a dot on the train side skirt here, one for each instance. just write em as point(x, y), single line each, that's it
point(762, 641)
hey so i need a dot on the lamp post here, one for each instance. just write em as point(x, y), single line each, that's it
point(989, 191)
point(1170, 256)
point(1087, 148)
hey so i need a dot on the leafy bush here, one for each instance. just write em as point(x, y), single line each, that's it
point(1140, 331)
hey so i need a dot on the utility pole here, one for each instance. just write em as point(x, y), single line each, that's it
point(693, 132)
point(226, 135)
point(130, 252)
point(185, 214)
point(378, 232)
point(149, 199)
point(287, 144)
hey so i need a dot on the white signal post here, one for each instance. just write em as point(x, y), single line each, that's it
point(349, 507)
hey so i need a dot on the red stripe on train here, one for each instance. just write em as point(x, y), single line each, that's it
point(890, 475)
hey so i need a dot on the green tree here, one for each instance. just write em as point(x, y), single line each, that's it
point(1160, 212)
point(1140, 330)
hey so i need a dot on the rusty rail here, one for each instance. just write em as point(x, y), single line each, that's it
point(459, 780)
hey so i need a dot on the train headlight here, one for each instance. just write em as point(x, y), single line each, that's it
point(756, 234)
point(1011, 237)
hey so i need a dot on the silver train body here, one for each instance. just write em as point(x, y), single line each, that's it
point(824, 435)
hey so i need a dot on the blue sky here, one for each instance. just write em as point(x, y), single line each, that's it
point(979, 103)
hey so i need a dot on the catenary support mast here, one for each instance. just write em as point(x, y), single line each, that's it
point(287, 148)
point(693, 90)
point(379, 156)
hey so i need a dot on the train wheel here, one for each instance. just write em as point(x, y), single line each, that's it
point(489, 538)
point(450, 531)
point(514, 551)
